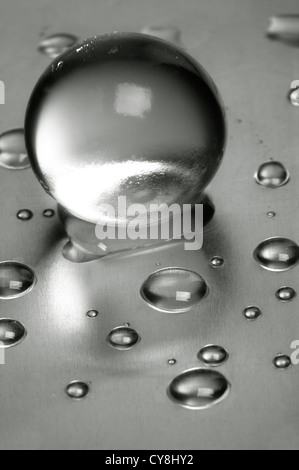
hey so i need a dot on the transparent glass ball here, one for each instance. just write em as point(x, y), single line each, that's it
point(124, 114)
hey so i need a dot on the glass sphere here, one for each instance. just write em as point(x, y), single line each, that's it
point(124, 114)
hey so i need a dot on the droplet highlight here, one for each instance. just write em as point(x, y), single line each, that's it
point(198, 389)
point(282, 361)
point(12, 333)
point(16, 279)
point(277, 254)
point(252, 313)
point(174, 290)
point(285, 294)
point(272, 174)
point(271, 214)
point(25, 214)
point(213, 355)
point(13, 153)
point(123, 338)
point(77, 390)
point(54, 45)
point(217, 262)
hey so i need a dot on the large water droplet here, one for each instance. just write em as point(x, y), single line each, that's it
point(282, 361)
point(16, 279)
point(123, 338)
point(174, 290)
point(13, 153)
point(213, 355)
point(198, 388)
point(12, 333)
point(77, 390)
point(286, 294)
point(277, 254)
point(272, 174)
point(251, 313)
point(55, 44)
point(25, 214)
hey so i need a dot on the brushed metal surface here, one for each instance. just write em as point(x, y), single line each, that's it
point(128, 406)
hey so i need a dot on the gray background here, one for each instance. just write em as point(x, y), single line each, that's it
point(128, 406)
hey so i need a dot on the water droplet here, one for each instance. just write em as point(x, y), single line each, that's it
point(271, 214)
point(167, 32)
point(174, 290)
point(277, 254)
point(285, 294)
point(25, 214)
point(77, 390)
point(12, 333)
point(282, 361)
point(48, 213)
point(92, 313)
point(158, 263)
point(126, 324)
point(171, 362)
point(123, 338)
point(217, 262)
point(252, 313)
point(198, 389)
point(213, 355)
point(16, 279)
point(294, 97)
point(13, 153)
point(272, 174)
point(55, 44)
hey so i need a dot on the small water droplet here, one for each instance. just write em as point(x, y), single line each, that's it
point(92, 313)
point(285, 294)
point(158, 263)
point(171, 362)
point(55, 44)
point(13, 153)
point(277, 254)
point(48, 213)
point(16, 279)
point(25, 214)
point(12, 333)
point(77, 390)
point(217, 262)
point(167, 32)
point(198, 389)
point(294, 97)
point(213, 355)
point(123, 338)
point(126, 324)
point(282, 361)
point(271, 214)
point(252, 313)
point(272, 174)
point(174, 290)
